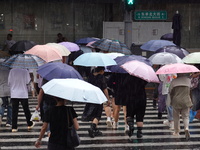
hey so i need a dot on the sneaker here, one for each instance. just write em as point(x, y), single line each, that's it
point(167, 123)
point(14, 130)
point(171, 127)
point(187, 135)
point(176, 134)
point(30, 127)
point(8, 125)
point(109, 122)
point(115, 125)
point(97, 133)
point(91, 133)
point(126, 129)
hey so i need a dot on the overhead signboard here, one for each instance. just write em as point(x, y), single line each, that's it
point(150, 15)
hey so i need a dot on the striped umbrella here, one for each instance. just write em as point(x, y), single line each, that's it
point(111, 46)
point(24, 61)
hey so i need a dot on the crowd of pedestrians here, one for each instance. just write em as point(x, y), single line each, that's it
point(122, 91)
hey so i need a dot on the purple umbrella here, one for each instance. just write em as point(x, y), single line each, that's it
point(167, 36)
point(58, 70)
point(86, 40)
point(180, 52)
point(123, 59)
point(72, 47)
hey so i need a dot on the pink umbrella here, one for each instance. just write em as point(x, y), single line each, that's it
point(141, 70)
point(72, 47)
point(177, 68)
point(45, 52)
point(90, 44)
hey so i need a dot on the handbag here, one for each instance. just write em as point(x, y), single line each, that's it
point(73, 139)
point(35, 116)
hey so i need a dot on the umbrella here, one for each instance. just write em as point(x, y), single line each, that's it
point(86, 40)
point(90, 44)
point(72, 47)
point(123, 59)
point(94, 59)
point(141, 70)
point(45, 52)
point(74, 90)
point(176, 26)
point(192, 58)
point(114, 55)
point(177, 68)
point(154, 45)
point(24, 61)
point(62, 49)
point(164, 58)
point(167, 36)
point(180, 52)
point(85, 49)
point(57, 70)
point(111, 46)
point(22, 46)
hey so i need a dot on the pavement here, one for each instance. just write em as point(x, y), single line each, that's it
point(156, 136)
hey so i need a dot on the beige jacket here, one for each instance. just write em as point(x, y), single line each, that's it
point(179, 91)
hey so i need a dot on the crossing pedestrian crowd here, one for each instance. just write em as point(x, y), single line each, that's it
point(175, 94)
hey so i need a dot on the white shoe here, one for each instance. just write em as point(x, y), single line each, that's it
point(175, 133)
point(126, 129)
point(109, 122)
point(171, 127)
point(8, 125)
point(167, 123)
point(115, 125)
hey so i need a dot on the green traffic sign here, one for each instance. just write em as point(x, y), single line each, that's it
point(150, 15)
point(130, 2)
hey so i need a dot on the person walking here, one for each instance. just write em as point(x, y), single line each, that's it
point(5, 96)
point(181, 102)
point(9, 42)
point(135, 103)
point(18, 80)
point(56, 117)
point(93, 112)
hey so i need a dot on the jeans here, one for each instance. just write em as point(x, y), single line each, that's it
point(169, 113)
point(15, 108)
point(6, 105)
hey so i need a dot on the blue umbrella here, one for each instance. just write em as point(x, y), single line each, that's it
point(111, 46)
point(123, 59)
point(94, 59)
point(154, 45)
point(57, 70)
point(86, 40)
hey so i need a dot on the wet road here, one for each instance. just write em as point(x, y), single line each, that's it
point(155, 134)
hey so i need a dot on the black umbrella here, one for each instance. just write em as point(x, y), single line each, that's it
point(21, 46)
point(176, 26)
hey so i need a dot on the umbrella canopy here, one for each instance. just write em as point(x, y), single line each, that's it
point(164, 58)
point(62, 49)
point(85, 49)
point(192, 58)
point(57, 70)
point(111, 46)
point(94, 59)
point(24, 61)
point(177, 68)
point(22, 46)
point(141, 70)
point(72, 47)
point(123, 59)
point(180, 52)
point(114, 55)
point(45, 52)
point(86, 40)
point(154, 45)
point(167, 36)
point(74, 90)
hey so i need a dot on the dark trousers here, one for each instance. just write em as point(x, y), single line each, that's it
point(52, 146)
point(15, 110)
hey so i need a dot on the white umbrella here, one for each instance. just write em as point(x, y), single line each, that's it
point(164, 58)
point(74, 90)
